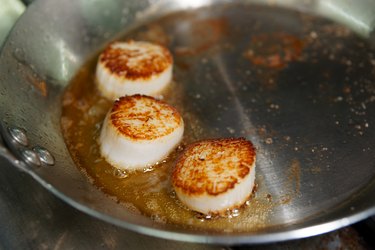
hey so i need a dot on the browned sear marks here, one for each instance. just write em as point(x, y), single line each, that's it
point(141, 61)
point(141, 117)
point(213, 166)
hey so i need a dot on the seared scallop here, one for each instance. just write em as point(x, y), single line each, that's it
point(133, 67)
point(139, 131)
point(214, 176)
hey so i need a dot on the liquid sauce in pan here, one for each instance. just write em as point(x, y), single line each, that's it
point(196, 39)
point(148, 192)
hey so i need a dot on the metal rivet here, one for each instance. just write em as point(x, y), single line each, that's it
point(19, 136)
point(44, 155)
point(30, 156)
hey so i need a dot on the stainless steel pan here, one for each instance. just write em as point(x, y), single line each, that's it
point(310, 113)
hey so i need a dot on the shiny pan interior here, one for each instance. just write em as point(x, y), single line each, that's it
point(294, 77)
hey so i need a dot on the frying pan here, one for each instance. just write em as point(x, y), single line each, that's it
point(282, 73)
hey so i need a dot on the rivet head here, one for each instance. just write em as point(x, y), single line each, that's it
point(44, 155)
point(19, 136)
point(29, 156)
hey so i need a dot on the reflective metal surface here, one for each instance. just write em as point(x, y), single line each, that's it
point(44, 156)
point(311, 120)
point(30, 157)
point(33, 218)
point(19, 136)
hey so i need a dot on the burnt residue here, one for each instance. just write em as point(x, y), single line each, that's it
point(310, 110)
point(274, 50)
point(202, 35)
point(294, 177)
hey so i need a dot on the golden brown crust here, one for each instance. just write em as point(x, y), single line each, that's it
point(213, 166)
point(136, 64)
point(141, 117)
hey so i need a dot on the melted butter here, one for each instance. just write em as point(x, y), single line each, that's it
point(149, 192)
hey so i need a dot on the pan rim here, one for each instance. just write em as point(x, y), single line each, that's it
point(217, 238)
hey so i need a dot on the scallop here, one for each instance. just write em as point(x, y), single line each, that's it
point(213, 176)
point(139, 131)
point(133, 67)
